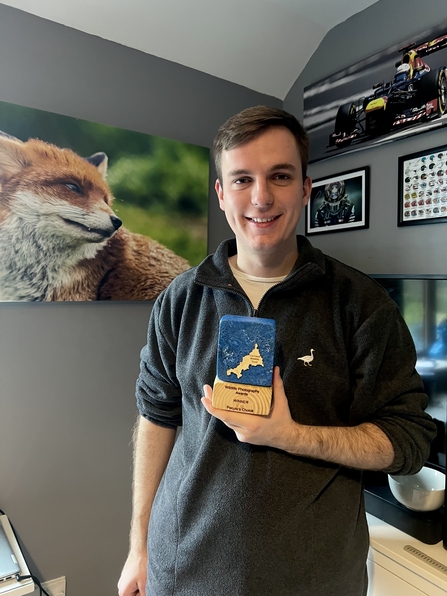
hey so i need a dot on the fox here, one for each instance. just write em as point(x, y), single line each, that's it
point(60, 239)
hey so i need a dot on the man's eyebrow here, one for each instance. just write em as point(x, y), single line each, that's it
point(283, 166)
point(238, 173)
point(278, 166)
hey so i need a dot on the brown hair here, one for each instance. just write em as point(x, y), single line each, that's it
point(250, 123)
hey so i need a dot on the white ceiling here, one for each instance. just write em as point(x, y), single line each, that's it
point(261, 44)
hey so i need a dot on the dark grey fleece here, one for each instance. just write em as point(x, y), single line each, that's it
point(232, 518)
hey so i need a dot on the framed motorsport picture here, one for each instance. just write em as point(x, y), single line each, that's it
point(423, 187)
point(395, 93)
point(339, 203)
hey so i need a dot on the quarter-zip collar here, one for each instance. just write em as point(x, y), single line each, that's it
point(215, 270)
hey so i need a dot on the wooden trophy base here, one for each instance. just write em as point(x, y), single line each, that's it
point(237, 397)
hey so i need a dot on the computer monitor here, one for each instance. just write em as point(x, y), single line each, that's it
point(422, 300)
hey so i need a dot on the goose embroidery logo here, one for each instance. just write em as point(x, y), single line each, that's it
point(308, 359)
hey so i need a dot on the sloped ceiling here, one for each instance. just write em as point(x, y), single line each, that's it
point(260, 44)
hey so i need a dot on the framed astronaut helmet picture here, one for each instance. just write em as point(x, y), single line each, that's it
point(339, 203)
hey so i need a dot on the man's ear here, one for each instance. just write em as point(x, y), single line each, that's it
point(307, 189)
point(220, 194)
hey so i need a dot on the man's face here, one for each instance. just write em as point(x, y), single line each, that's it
point(262, 192)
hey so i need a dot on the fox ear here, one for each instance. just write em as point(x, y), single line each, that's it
point(12, 155)
point(99, 160)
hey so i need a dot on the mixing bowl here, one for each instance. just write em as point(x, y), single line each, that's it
point(423, 491)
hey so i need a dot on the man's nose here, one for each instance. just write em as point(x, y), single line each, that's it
point(262, 196)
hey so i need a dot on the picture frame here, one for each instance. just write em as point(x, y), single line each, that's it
point(120, 212)
point(339, 203)
point(345, 111)
point(422, 187)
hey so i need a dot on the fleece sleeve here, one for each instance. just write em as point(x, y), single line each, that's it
point(157, 391)
point(387, 389)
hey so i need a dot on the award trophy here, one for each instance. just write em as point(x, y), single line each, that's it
point(245, 360)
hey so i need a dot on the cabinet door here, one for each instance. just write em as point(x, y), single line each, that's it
point(384, 583)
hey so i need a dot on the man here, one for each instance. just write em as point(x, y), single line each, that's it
point(269, 505)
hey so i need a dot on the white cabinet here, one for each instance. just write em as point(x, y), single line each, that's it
point(384, 583)
point(399, 565)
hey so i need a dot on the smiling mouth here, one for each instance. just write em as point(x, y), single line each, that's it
point(263, 219)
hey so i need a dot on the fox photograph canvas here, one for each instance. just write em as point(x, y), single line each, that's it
point(93, 212)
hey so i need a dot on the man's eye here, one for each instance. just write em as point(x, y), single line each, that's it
point(242, 181)
point(282, 177)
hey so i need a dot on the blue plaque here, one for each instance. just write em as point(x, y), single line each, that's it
point(245, 361)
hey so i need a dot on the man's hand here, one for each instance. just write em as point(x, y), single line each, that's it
point(133, 576)
point(275, 430)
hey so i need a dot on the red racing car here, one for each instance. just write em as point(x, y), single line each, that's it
point(415, 94)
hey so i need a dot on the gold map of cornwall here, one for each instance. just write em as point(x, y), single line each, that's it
point(252, 359)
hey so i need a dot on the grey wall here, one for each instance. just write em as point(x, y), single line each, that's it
point(383, 248)
point(67, 371)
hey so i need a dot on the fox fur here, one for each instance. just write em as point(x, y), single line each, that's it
point(59, 236)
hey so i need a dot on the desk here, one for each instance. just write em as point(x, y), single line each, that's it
point(401, 565)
